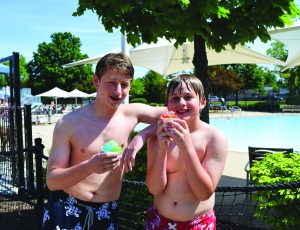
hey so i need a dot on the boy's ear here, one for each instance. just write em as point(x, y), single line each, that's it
point(95, 81)
point(202, 103)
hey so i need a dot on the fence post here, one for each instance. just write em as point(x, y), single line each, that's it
point(28, 145)
point(39, 149)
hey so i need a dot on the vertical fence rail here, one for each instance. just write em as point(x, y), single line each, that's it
point(39, 156)
point(28, 145)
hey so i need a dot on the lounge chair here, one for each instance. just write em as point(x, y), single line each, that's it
point(257, 154)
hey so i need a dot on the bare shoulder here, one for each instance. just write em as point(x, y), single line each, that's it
point(215, 135)
point(70, 120)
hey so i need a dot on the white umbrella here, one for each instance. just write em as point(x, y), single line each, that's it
point(55, 93)
point(77, 93)
point(4, 68)
point(93, 94)
point(290, 36)
point(165, 59)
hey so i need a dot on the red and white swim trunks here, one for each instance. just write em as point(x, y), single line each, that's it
point(155, 221)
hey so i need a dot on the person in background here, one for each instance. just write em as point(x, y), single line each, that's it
point(185, 162)
point(85, 182)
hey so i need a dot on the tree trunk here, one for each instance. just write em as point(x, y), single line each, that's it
point(201, 63)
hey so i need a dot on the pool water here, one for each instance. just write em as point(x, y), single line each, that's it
point(276, 131)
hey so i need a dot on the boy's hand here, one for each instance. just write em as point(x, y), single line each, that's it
point(104, 162)
point(130, 152)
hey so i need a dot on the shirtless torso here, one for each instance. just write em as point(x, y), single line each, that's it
point(186, 159)
point(77, 142)
point(88, 134)
point(178, 201)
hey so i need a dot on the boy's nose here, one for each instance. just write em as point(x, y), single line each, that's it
point(118, 88)
point(182, 101)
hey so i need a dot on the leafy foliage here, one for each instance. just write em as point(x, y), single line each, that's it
point(212, 23)
point(45, 70)
point(137, 88)
point(156, 87)
point(218, 22)
point(223, 80)
point(274, 169)
point(4, 79)
point(290, 77)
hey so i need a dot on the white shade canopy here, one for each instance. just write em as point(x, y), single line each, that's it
point(55, 93)
point(93, 94)
point(77, 93)
point(165, 59)
point(290, 36)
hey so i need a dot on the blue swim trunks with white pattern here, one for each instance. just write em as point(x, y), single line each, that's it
point(64, 211)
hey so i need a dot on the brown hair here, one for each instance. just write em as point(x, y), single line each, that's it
point(190, 81)
point(118, 61)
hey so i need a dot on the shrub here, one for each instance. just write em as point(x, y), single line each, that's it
point(138, 100)
point(293, 100)
point(275, 206)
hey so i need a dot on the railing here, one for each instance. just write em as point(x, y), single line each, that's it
point(21, 206)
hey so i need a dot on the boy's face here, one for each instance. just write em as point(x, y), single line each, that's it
point(185, 102)
point(113, 87)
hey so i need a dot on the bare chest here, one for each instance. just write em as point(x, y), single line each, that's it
point(89, 136)
point(176, 161)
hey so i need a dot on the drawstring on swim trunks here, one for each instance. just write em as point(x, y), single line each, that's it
point(89, 219)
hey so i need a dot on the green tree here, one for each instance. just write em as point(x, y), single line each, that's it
point(155, 87)
point(3, 81)
point(278, 50)
point(137, 88)
point(289, 78)
point(24, 76)
point(212, 23)
point(223, 81)
point(4, 78)
point(46, 71)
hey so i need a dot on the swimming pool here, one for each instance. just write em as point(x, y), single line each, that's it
point(276, 131)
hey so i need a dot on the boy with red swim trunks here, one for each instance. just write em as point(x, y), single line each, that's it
point(185, 162)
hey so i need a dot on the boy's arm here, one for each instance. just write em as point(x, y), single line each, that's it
point(136, 144)
point(146, 114)
point(156, 178)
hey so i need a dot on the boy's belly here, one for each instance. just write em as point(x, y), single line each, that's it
point(179, 203)
point(98, 187)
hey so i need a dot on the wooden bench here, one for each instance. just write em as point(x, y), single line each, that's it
point(291, 108)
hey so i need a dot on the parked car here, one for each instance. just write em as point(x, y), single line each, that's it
point(272, 97)
point(213, 99)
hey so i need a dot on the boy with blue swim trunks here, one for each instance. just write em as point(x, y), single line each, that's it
point(85, 182)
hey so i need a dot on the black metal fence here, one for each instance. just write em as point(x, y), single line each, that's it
point(235, 207)
point(21, 171)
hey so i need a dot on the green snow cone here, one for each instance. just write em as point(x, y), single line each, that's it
point(111, 146)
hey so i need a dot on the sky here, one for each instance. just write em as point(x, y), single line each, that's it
point(27, 23)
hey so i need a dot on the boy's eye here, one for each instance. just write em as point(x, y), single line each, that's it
point(174, 99)
point(124, 85)
point(187, 98)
